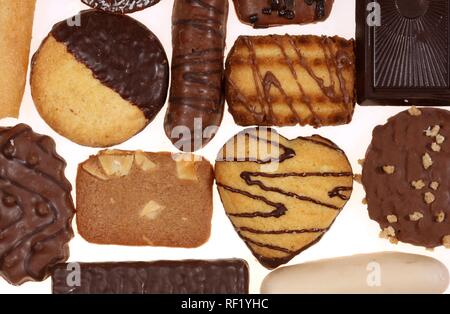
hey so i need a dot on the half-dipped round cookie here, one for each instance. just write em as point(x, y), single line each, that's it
point(99, 78)
point(120, 6)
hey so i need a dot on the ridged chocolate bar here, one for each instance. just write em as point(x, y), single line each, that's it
point(403, 52)
point(161, 277)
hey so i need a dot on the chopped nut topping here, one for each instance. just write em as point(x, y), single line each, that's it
point(440, 139)
point(186, 170)
point(418, 185)
point(416, 216)
point(440, 217)
point(392, 219)
point(364, 201)
point(446, 241)
point(434, 185)
point(151, 210)
point(435, 147)
point(92, 167)
point(427, 161)
point(429, 198)
point(393, 240)
point(143, 162)
point(414, 111)
point(387, 232)
point(361, 162)
point(389, 169)
point(116, 165)
point(433, 132)
point(357, 178)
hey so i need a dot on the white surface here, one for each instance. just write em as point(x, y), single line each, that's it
point(353, 231)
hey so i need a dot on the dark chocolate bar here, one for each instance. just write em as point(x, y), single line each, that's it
point(403, 52)
point(161, 277)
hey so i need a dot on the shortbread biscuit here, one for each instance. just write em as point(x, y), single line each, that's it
point(282, 195)
point(100, 83)
point(16, 23)
point(288, 80)
point(139, 198)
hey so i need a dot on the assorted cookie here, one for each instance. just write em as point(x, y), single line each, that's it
point(104, 93)
point(161, 277)
point(376, 273)
point(120, 6)
point(36, 208)
point(139, 198)
point(406, 175)
point(196, 100)
point(267, 13)
point(287, 80)
point(15, 39)
point(282, 195)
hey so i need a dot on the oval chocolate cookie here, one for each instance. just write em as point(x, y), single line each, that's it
point(120, 6)
point(406, 177)
point(282, 195)
point(36, 208)
point(99, 78)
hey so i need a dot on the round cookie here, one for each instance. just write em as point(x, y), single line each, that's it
point(36, 208)
point(120, 6)
point(406, 177)
point(101, 82)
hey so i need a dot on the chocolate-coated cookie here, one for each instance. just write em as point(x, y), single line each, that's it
point(36, 208)
point(120, 6)
point(406, 177)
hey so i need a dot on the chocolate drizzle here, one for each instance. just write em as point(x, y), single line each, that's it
point(122, 54)
point(320, 7)
point(337, 59)
point(250, 179)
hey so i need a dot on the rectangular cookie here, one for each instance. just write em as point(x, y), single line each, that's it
point(16, 23)
point(139, 198)
point(161, 277)
point(287, 80)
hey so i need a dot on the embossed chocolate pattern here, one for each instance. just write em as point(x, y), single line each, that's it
point(122, 54)
point(36, 208)
point(120, 6)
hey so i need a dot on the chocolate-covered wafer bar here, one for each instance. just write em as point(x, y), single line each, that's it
point(161, 277)
point(196, 95)
point(266, 13)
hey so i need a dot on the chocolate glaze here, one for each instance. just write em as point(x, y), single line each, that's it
point(36, 208)
point(122, 54)
point(280, 209)
point(336, 62)
point(161, 277)
point(198, 39)
point(120, 6)
point(402, 143)
point(267, 13)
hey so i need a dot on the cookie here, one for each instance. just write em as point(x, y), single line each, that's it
point(228, 276)
point(282, 195)
point(287, 80)
point(406, 175)
point(104, 93)
point(120, 6)
point(16, 23)
point(36, 208)
point(139, 198)
point(267, 13)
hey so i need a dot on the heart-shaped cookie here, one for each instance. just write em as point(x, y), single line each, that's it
point(282, 195)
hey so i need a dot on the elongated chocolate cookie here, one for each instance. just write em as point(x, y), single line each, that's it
point(99, 78)
point(120, 6)
point(406, 176)
point(289, 80)
point(282, 195)
point(36, 208)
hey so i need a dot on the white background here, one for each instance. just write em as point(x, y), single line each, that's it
point(353, 231)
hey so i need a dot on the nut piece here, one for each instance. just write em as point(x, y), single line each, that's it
point(446, 241)
point(435, 147)
point(389, 169)
point(392, 219)
point(92, 167)
point(361, 162)
point(387, 233)
point(432, 132)
point(427, 162)
point(364, 201)
point(186, 170)
point(143, 162)
point(429, 198)
point(152, 210)
point(116, 165)
point(440, 139)
point(416, 216)
point(434, 185)
point(357, 178)
point(418, 185)
point(414, 111)
point(440, 217)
